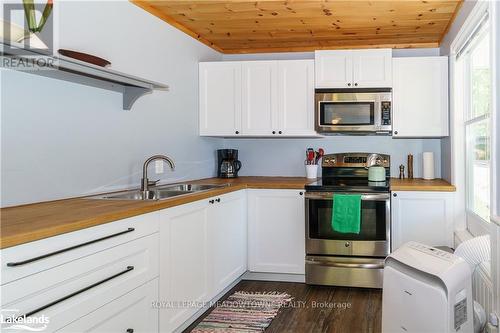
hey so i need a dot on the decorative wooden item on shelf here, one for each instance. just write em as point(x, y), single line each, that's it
point(304, 25)
point(91, 59)
point(410, 166)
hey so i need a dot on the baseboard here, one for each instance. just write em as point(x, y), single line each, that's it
point(279, 277)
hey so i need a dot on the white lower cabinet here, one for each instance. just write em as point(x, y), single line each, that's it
point(133, 312)
point(227, 231)
point(276, 231)
point(136, 279)
point(184, 267)
point(69, 291)
point(425, 217)
point(202, 252)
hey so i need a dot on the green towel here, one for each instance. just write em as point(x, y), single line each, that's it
point(346, 213)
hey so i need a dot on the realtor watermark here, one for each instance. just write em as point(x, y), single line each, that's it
point(251, 304)
point(11, 320)
point(28, 36)
point(28, 63)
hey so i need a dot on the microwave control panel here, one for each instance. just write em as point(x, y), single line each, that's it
point(386, 113)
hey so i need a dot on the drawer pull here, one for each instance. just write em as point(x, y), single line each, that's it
point(130, 330)
point(27, 261)
point(129, 268)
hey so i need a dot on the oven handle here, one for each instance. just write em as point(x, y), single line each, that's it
point(364, 197)
point(345, 265)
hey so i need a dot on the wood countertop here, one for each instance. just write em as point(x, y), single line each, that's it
point(27, 223)
point(419, 184)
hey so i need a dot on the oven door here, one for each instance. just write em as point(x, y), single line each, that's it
point(373, 239)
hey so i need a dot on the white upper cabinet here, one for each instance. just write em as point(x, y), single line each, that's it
point(296, 97)
point(220, 98)
point(333, 69)
point(370, 68)
point(259, 95)
point(257, 98)
point(420, 97)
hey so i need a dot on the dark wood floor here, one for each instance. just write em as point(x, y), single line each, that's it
point(344, 309)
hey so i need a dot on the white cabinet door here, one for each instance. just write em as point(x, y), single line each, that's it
point(425, 217)
point(333, 69)
point(220, 98)
point(276, 231)
point(227, 230)
point(372, 68)
point(296, 97)
point(420, 97)
point(74, 289)
point(184, 267)
point(259, 96)
point(133, 312)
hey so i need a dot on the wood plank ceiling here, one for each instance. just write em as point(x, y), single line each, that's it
point(239, 26)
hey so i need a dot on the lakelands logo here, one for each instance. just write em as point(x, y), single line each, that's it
point(10, 320)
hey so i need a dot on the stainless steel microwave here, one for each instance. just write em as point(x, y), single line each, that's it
point(353, 111)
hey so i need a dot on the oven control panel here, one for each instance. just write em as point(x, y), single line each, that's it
point(355, 160)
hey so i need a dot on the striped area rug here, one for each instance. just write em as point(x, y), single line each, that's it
point(244, 312)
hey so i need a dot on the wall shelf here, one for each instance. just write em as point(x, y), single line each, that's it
point(72, 70)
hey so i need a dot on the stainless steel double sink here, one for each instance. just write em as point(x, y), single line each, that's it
point(161, 192)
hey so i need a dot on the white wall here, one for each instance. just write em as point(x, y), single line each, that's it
point(285, 157)
point(446, 143)
point(61, 139)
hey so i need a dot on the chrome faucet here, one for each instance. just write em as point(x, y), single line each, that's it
point(145, 182)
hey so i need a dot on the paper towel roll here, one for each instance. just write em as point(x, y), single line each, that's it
point(428, 165)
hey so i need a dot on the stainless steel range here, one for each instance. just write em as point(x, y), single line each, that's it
point(340, 258)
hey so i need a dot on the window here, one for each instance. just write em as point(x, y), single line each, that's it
point(474, 82)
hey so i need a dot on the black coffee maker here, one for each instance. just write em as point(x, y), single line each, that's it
point(227, 163)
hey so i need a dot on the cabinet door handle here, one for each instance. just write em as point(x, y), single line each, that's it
point(59, 300)
point(130, 330)
point(356, 84)
point(395, 195)
point(349, 84)
point(280, 132)
point(237, 132)
point(27, 261)
point(395, 132)
point(301, 193)
point(218, 199)
point(211, 201)
point(274, 132)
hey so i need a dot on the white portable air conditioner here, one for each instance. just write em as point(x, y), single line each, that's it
point(426, 290)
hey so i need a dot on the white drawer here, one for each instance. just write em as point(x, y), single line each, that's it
point(130, 313)
point(30, 258)
point(67, 292)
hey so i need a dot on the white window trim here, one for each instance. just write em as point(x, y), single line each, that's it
point(495, 151)
point(473, 223)
point(458, 138)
